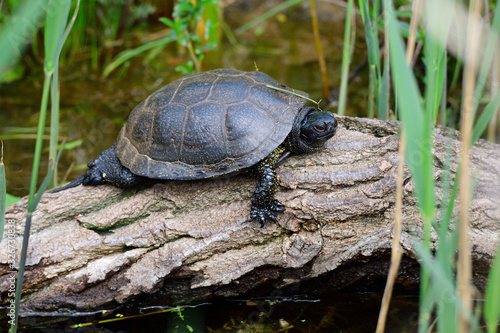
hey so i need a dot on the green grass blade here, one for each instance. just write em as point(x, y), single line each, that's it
point(45, 184)
point(383, 95)
point(443, 113)
point(56, 32)
point(10, 200)
point(435, 57)
point(346, 58)
point(54, 120)
point(3, 194)
point(32, 203)
point(15, 33)
point(371, 40)
point(447, 196)
point(492, 302)
point(418, 147)
point(270, 13)
point(416, 123)
point(55, 24)
point(435, 70)
point(33, 183)
point(490, 52)
point(409, 101)
point(126, 55)
point(446, 251)
point(483, 120)
point(372, 89)
point(443, 289)
point(212, 15)
point(39, 138)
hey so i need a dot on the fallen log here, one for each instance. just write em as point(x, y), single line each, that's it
point(186, 241)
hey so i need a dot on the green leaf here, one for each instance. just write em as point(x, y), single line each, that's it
point(126, 55)
point(349, 36)
point(371, 41)
point(492, 302)
point(408, 99)
point(71, 145)
point(3, 195)
point(12, 74)
point(489, 54)
point(55, 24)
point(483, 120)
point(15, 34)
point(167, 22)
point(10, 200)
point(383, 96)
point(45, 184)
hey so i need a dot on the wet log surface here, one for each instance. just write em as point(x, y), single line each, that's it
point(189, 241)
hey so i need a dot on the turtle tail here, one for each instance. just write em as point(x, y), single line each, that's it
point(74, 183)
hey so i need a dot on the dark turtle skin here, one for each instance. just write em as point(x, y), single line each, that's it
point(211, 124)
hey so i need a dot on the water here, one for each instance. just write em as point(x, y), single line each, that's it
point(353, 312)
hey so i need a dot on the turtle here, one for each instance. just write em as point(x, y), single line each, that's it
point(214, 123)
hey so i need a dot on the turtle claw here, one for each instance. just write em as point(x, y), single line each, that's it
point(266, 211)
point(277, 206)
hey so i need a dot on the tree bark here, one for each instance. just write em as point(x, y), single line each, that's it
point(184, 241)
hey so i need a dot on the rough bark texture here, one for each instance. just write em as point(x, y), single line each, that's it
point(182, 241)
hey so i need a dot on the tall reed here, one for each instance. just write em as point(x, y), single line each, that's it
point(3, 192)
point(441, 291)
point(56, 31)
point(348, 48)
point(397, 252)
point(319, 49)
point(378, 95)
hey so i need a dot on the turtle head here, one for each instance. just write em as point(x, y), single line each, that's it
point(94, 175)
point(311, 130)
point(317, 127)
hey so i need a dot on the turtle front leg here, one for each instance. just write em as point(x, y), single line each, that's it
point(264, 206)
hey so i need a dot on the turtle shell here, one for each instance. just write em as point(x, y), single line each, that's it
point(207, 124)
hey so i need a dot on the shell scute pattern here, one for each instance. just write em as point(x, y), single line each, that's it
point(206, 125)
point(231, 89)
point(203, 142)
point(247, 128)
point(166, 133)
point(194, 89)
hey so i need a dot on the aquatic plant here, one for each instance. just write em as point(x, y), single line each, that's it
point(194, 26)
point(56, 30)
point(445, 284)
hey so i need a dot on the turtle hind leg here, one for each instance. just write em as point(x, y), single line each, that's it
point(105, 169)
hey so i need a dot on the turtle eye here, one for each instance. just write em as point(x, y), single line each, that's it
point(319, 128)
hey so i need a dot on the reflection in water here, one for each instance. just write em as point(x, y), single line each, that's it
point(353, 312)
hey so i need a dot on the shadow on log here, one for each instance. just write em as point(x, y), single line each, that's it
point(185, 241)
